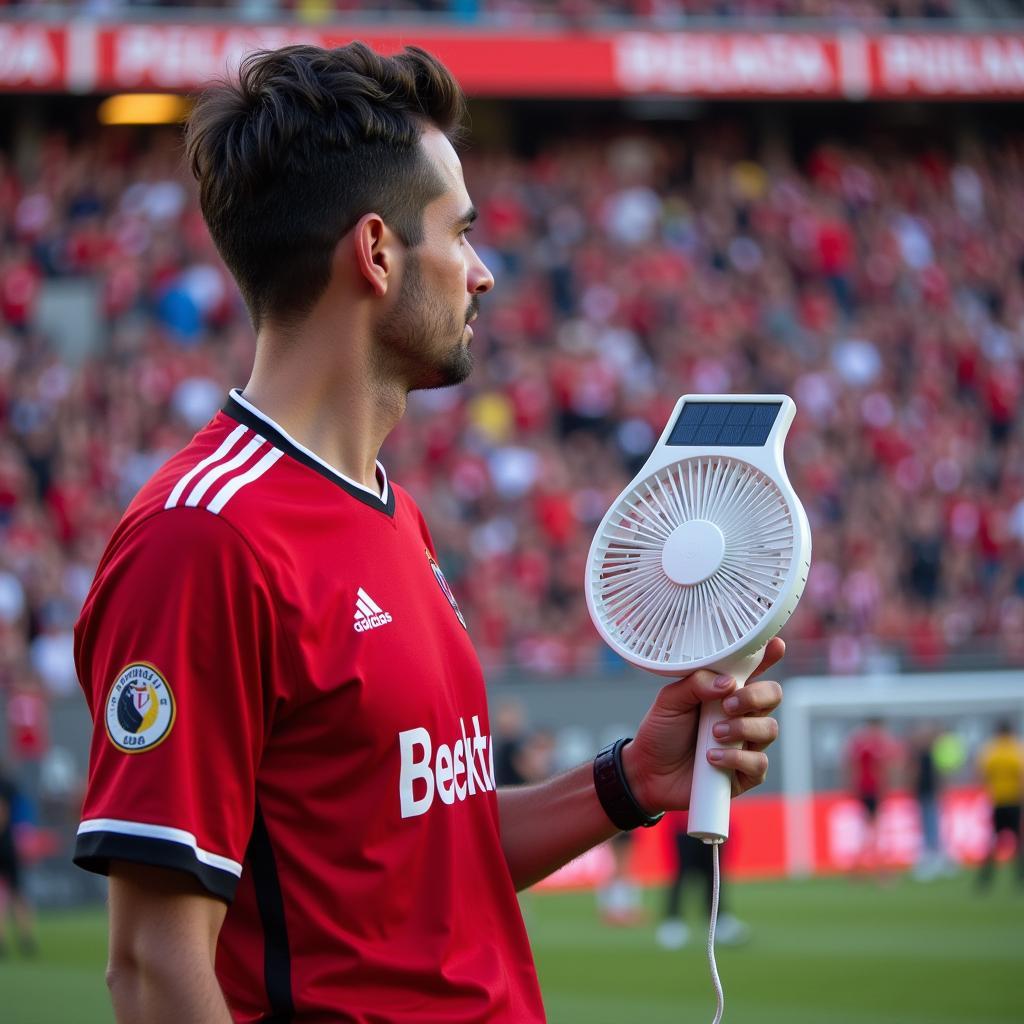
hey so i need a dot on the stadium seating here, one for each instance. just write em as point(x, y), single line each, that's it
point(883, 291)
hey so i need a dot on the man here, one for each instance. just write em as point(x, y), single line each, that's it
point(291, 780)
point(1001, 767)
point(925, 772)
point(871, 755)
point(695, 859)
point(11, 888)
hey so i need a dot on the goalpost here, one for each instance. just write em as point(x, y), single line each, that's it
point(974, 699)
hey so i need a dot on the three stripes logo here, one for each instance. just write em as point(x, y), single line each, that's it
point(220, 476)
point(369, 615)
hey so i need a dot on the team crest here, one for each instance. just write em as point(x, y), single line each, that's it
point(445, 589)
point(140, 709)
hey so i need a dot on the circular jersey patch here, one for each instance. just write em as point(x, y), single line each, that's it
point(140, 709)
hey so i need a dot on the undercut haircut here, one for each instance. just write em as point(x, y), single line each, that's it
point(302, 145)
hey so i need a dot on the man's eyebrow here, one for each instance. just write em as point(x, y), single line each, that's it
point(469, 216)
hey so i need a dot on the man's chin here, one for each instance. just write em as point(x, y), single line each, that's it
point(458, 369)
point(454, 371)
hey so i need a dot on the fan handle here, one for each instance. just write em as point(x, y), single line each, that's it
point(711, 790)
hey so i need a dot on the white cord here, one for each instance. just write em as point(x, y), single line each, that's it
point(715, 979)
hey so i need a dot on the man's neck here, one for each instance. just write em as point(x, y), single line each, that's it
point(334, 407)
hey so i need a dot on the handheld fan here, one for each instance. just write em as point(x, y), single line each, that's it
point(702, 559)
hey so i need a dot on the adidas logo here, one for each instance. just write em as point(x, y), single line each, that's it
point(369, 614)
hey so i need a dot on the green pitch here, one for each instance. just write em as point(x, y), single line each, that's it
point(825, 951)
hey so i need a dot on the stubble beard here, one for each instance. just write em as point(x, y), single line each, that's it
point(424, 338)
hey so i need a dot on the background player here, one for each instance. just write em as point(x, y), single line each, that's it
point(1001, 767)
point(871, 756)
point(695, 861)
point(12, 894)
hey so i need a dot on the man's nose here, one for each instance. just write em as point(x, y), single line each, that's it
point(480, 279)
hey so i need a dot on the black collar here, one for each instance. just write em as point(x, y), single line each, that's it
point(244, 412)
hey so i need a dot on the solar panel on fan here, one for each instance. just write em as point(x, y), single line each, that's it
point(725, 424)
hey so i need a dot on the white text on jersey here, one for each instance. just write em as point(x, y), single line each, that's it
point(457, 771)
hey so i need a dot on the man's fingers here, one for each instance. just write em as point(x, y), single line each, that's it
point(749, 766)
point(759, 698)
point(754, 733)
point(772, 653)
point(684, 694)
point(706, 684)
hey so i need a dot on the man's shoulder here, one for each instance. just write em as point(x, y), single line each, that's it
point(216, 493)
point(218, 468)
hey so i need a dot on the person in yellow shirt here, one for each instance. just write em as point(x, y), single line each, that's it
point(1001, 766)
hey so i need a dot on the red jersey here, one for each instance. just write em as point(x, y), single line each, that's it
point(871, 752)
point(288, 706)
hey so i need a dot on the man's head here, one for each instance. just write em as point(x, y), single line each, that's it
point(305, 147)
point(423, 334)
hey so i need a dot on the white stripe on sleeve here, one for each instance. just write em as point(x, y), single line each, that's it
point(228, 443)
point(232, 487)
point(218, 471)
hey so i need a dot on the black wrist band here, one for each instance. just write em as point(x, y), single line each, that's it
point(614, 793)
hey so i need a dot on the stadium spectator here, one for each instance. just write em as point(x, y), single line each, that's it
point(1001, 767)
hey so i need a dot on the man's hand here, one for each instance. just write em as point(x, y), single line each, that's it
point(659, 761)
point(546, 825)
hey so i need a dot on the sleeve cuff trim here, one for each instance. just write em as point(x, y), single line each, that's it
point(95, 849)
point(163, 832)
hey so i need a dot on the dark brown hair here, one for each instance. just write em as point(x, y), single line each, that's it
point(302, 145)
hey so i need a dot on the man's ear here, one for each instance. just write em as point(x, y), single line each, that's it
point(375, 247)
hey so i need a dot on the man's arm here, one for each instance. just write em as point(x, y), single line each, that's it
point(163, 938)
point(545, 826)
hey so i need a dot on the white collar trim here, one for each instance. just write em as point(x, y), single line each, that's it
point(236, 394)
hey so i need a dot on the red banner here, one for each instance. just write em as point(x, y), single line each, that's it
point(186, 56)
point(742, 64)
point(87, 57)
point(32, 58)
point(948, 66)
point(757, 840)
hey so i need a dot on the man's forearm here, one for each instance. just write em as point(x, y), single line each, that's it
point(544, 826)
point(163, 942)
point(158, 994)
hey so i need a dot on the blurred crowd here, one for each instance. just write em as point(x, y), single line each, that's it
point(662, 13)
point(883, 291)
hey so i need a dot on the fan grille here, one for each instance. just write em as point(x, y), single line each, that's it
point(664, 622)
